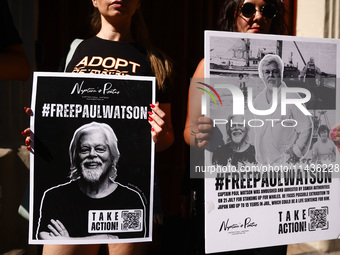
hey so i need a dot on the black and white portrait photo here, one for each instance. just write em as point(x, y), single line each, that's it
point(67, 209)
point(237, 150)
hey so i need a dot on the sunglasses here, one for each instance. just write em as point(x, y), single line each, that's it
point(268, 11)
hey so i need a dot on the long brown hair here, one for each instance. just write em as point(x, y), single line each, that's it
point(161, 65)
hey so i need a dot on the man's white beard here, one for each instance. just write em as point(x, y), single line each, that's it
point(239, 138)
point(238, 141)
point(92, 175)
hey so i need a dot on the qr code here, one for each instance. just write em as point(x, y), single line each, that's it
point(318, 218)
point(131, 220)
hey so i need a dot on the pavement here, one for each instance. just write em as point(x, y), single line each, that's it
point(302, 249)
point(310, 249)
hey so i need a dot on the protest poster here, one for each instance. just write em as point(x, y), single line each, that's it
point(271, 169)
point(92, 160)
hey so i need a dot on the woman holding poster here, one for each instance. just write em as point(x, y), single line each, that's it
point(122, 47)
point(246, 16)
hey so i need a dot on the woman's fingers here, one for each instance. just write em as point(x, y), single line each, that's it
point(156, 120)
point(28, 111)
point(26, 132)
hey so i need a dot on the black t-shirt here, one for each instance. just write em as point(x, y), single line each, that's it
point(68, 204)
point(225, 154)
point(9, 34)
point(99, 56)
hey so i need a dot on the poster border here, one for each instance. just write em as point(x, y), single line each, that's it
point(205, 98)
point(78, 241)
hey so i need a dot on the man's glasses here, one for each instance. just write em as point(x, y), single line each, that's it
point(268, 11)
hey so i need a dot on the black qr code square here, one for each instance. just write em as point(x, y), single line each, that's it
point(131, 220)
point(318, 218)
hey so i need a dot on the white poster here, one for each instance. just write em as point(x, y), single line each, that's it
point(271, 168)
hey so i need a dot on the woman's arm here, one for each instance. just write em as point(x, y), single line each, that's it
point(197, 130)
point(27, 132)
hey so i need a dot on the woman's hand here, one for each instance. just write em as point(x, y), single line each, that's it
point(198, 129)
point(161, 126)
point(28, 111)
point(27, 132)
point(335, 135)
point(204, 132)
point(156, 121)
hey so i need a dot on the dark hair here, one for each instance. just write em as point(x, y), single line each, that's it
point(161, 65)
point(323, 128)
point(231, 9)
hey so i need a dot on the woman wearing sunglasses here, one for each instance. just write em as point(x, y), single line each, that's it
point(246, 16)
point(253, 16)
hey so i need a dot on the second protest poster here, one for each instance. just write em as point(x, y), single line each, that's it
point(271, 168)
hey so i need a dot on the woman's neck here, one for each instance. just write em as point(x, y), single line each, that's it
point(118, 32)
